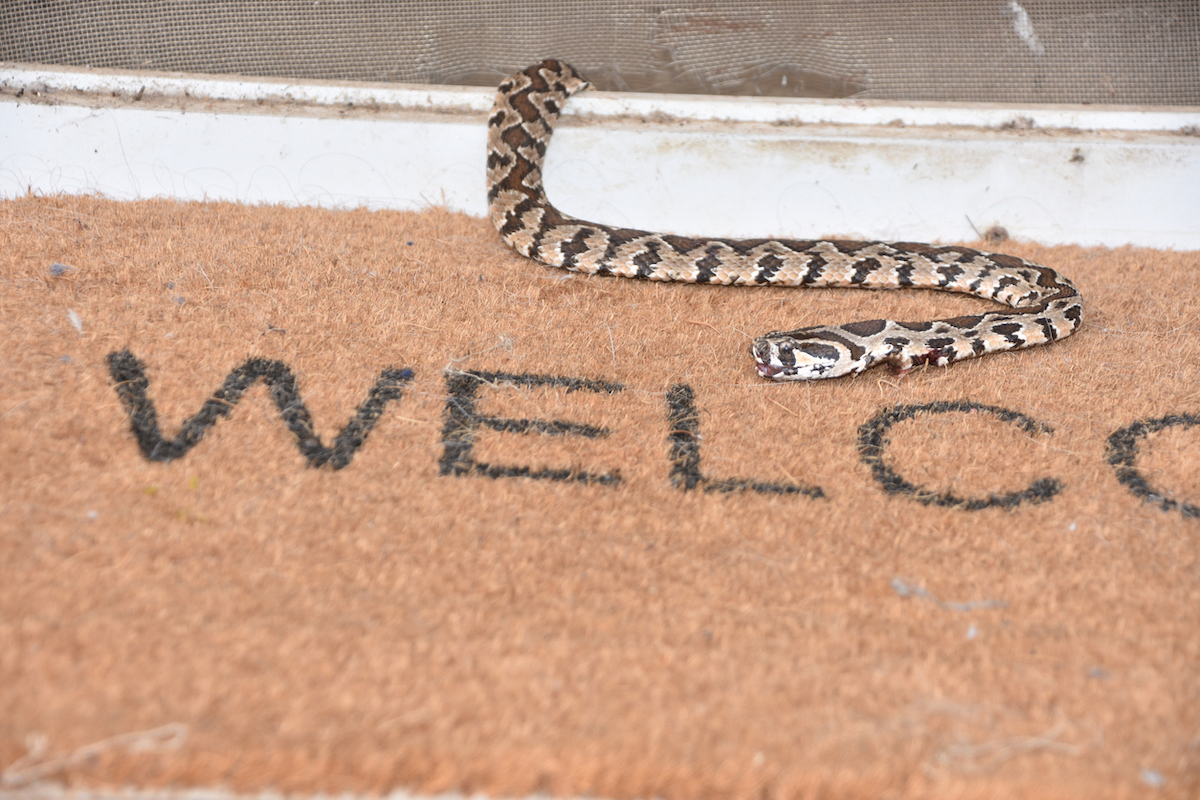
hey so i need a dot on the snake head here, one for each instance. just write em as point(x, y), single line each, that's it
point(808, 354)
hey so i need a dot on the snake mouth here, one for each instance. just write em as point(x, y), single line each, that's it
point(768, 371)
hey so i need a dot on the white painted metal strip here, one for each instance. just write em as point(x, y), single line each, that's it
point(771, 110)
point(691, 165)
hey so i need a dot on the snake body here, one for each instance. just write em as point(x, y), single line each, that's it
point(1044, 305)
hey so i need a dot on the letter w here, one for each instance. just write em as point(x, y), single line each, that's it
point(132, 387)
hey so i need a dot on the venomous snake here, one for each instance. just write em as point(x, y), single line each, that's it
point(1045, 306)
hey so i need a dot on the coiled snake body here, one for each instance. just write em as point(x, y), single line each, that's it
point(1045, 306)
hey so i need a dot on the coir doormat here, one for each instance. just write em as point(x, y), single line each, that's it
point(349, 501)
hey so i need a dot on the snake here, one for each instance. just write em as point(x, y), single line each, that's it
point(1041, 306)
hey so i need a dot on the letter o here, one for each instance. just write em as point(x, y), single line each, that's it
point(1123, 452)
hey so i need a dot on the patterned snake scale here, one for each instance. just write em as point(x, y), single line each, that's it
point(1045, 305)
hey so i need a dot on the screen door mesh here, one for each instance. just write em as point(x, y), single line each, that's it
point(1031, 51)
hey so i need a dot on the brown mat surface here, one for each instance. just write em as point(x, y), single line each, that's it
point(556, 535)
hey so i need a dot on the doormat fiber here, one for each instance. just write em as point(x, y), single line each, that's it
point(319, 501)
